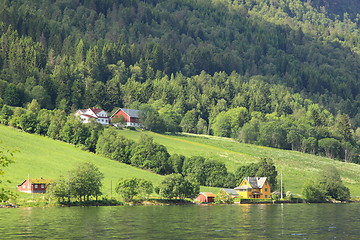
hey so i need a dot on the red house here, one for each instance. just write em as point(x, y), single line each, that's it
point(205, 197)
point(34, 185)
point(130, 117)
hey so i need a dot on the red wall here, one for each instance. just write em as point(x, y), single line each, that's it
point(31, 187)
point(202, 198)
point(126, 117)
point(121, 113)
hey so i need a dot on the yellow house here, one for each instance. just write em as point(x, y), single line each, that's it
point(254, 187)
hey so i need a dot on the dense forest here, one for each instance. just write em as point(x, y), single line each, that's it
point(280, 73)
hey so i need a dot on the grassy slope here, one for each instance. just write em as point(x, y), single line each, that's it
point(296, 167)
point(38, 156)
point(42, 157)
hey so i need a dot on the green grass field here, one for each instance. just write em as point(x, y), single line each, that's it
point(296, 167)
point(39, 156)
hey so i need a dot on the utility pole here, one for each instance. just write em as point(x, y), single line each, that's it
point(281, 186)
point(110, 189)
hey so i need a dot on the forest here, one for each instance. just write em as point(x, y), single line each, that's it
point(278, 73)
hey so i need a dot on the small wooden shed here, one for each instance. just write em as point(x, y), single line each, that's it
point(205, 197)
point(34, 185)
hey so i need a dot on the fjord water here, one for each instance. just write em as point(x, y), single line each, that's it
point(278, 221)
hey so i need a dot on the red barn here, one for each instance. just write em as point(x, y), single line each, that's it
point(34, 185)
point(206, 197)
point(130, 116)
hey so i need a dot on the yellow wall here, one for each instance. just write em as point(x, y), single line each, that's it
point(266, 190)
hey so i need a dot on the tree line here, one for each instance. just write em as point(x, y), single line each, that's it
point(65, 54)
point(222, 105)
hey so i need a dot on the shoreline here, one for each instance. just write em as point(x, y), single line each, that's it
point(159, 202)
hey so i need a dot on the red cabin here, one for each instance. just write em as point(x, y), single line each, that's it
point(34, 185)
point(205, 197)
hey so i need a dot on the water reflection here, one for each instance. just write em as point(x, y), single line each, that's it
point(279, 221)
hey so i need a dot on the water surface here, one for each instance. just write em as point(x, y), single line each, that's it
point(279, 221)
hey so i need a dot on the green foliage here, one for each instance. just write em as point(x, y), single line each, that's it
point(223, 198)
point(193, 167)
point(177, 162)
point(328, 185)
point(134, 187)
point(268, 169)
point(5, 114)
point(313, 193)
point(176, 186)
point(82, 183)
point(61, 189)
point(246, 171)
point(330, 147)
point(5, 160)
point(113, 145)
point(332, 185)
point(85, 181)
point(189, 121)
point(228, 124)
point(151, 119)
point(149, 155)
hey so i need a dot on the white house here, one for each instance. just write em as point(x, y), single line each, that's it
point(99, 115)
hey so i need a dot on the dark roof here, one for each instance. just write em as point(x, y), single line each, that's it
point(230, 191)
point(256, 182)
point(96, 110)
point(131, 112)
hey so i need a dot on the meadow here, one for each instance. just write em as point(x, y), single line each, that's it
point(296, 167)
point(37, 156)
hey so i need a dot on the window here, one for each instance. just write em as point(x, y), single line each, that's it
point(249, 189)
point(42, 186)
point(36, 186)
point(23, 186)
point(266, 196)
point(266, 189)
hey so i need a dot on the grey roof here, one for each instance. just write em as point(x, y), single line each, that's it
point(131, 112)
point(256, 182)
point(230, 191)
point(243, 187)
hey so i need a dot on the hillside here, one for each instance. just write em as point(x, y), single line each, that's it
point(296, 167)
point(280, 74)
point(338, 7)
point(121, 50)
point(37, 156)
